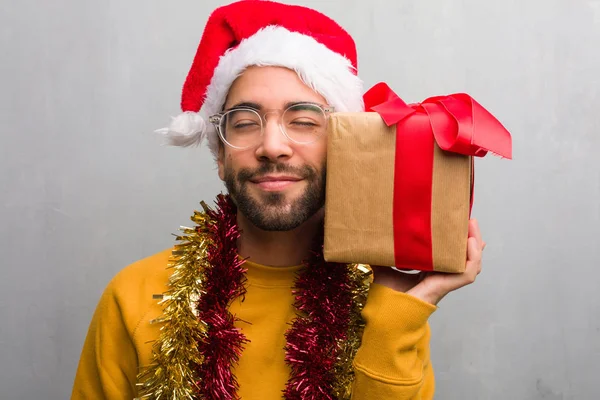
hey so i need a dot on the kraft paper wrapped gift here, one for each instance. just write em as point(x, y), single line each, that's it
point(400, 180)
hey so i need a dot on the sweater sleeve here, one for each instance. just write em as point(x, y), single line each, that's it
point(393, 360)
point(108, 363)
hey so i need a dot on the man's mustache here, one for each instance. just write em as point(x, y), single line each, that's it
point(247, 174)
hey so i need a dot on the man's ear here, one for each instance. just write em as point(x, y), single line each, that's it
point(221, 162)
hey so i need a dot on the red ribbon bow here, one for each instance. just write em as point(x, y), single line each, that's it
point(459, 123)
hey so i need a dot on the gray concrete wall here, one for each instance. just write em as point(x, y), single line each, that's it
point(86, 188)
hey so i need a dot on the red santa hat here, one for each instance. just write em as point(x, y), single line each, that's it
point(264, 33)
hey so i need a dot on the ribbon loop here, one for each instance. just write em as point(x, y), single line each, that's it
point(458, 122)
point(382, 100)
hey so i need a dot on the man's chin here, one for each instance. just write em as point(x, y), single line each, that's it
point(275, 204)
point(272, 212)
point(275, 199)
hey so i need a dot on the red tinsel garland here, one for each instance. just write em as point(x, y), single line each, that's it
point(225, 278)
point(324, 298)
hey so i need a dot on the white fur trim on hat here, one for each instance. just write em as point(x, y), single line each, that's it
point(323, 70)
point(187, 129)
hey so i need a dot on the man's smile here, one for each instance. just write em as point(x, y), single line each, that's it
point(272, 183)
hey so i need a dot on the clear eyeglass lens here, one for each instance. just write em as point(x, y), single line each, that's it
point(241, 128)
point(302, 123)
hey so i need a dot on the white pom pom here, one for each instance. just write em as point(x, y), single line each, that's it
point(186, 129)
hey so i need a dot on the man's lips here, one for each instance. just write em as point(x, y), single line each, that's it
point(275, 178)
point(275, 182)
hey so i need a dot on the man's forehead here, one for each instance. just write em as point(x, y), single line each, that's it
point(269, 82)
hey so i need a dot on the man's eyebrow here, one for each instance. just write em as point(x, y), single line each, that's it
point(246, 104)
point(295, 103)
point(259, 107)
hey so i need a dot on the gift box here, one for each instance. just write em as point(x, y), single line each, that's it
point(400, 180)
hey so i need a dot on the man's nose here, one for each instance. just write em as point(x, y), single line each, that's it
point(274, 145)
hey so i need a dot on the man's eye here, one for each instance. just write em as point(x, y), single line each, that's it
point(303, 123)
point(245, 124)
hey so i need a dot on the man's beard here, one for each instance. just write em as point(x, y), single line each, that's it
point(273, 212)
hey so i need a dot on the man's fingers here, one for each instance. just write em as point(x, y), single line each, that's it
point(473, 250)
point(475, 232)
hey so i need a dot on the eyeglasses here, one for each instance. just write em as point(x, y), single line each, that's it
point(243, 127)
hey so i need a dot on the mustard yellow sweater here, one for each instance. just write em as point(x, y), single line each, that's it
point(392, 363)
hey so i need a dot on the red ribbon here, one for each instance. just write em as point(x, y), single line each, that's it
point(458, 124)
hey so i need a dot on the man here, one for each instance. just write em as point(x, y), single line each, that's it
point(250, 310)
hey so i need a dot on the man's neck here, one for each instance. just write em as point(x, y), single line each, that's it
point(278, 249)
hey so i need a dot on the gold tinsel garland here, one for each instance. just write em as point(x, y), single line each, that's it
point(360, 277)
point(172, 375)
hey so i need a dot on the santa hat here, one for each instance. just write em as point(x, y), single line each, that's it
point(264, 33)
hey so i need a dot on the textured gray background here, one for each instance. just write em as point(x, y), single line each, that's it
point(86, 188)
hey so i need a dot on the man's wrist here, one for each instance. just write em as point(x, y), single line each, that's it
point(425, 295)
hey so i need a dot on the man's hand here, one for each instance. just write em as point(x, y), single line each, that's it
point(433, 286)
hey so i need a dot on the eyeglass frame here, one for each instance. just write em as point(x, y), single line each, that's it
point(216, 120)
